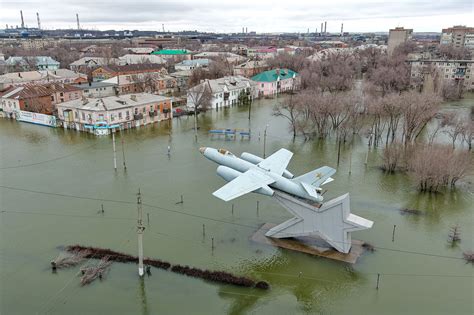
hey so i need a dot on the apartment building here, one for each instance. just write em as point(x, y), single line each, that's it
point(396, 37)
point(456, 35)
point(124, 111)
point(447, 71)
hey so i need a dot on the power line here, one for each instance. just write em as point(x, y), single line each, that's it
point(47, 161)
point(206, 218)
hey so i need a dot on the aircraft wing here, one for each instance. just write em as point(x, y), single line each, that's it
point(277, 162)
point(243, 184)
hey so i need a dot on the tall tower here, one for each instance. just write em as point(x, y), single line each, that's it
point(322, 28)
point(342, 29)
point(77, 19)
point(22, 21)
point(325, 27)
point(38, 18)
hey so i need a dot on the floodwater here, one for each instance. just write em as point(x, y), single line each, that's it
point(44, 171)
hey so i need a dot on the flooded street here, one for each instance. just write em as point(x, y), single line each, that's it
point(54, 181)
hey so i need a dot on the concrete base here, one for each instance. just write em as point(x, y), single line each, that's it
point(312, 245)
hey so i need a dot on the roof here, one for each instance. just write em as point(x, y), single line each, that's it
point(26, 76)
point(134, 59)
point(229, 83)
point(273, 75)
point(40, 60)
point(84, 61)
point(93, 85)
point(252, 64)
point(182, 73)
point(132, 78)
point(37, 90)
point(133, 67)
point(201, 62)
point(171, 52)
point(113, 102)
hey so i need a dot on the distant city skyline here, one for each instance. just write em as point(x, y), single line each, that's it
point(265, 16)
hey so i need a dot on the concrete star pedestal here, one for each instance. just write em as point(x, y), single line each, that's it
point(322, 231)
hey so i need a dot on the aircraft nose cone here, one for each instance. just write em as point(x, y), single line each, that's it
point(202, 149)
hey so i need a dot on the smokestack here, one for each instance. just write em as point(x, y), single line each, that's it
point(325, 27)
point(77, 19)
point(22, 21)
point(246, 30)
point(38, 18)
point(342, 29)
point(322, 29)
point(163, 27)
point(243, 30)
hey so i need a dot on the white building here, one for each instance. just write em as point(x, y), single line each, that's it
point(224, 91)
point(91, 63)
point(191, 64)
point(124, 111)
point(131, 59)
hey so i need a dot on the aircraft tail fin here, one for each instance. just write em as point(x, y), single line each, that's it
point(318, 177)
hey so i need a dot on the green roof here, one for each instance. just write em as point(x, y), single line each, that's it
point(171, 52)
point(272, 76)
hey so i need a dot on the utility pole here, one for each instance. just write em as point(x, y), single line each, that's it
point(115, 151)
point(123, 152)
point(264, 140)
point(140, 230)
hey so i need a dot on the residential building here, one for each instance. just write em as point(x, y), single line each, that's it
point(130, 59)
point(86, 63)
point(261, 52)
point(181, 79)
point(37, 98)
point(455, 35)
point(191, 64)
point(36, 44)
point(468, 41)
point(250, 68)
point(151, 82)
point(139, 50)
point(126, 111)
point(107, 72)
point(25, 63)
point(224, 92)
point(228, 56)
point(422, 71)
point(97, 89)
point(3, 64)
point(173, 54)
point(276, 81)
point(40, 77)
point(396, 37)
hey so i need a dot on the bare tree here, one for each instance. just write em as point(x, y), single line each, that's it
point(455, 126)
point(200, 97)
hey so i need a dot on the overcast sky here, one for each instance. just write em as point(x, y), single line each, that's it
point(230, 16)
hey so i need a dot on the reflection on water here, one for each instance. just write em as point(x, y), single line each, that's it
point(299, 283)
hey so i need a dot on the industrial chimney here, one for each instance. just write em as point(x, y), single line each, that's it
point(322, 29)
point(325, 27)
point(342, 29)
point(22, 21)
point(38, 18)
point(77, 19)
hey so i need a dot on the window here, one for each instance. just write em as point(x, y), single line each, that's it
point(83, 116)
point(61, 94)
point(120, 115)
point(52, 98)
point(76, 114)
point(144, 110)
